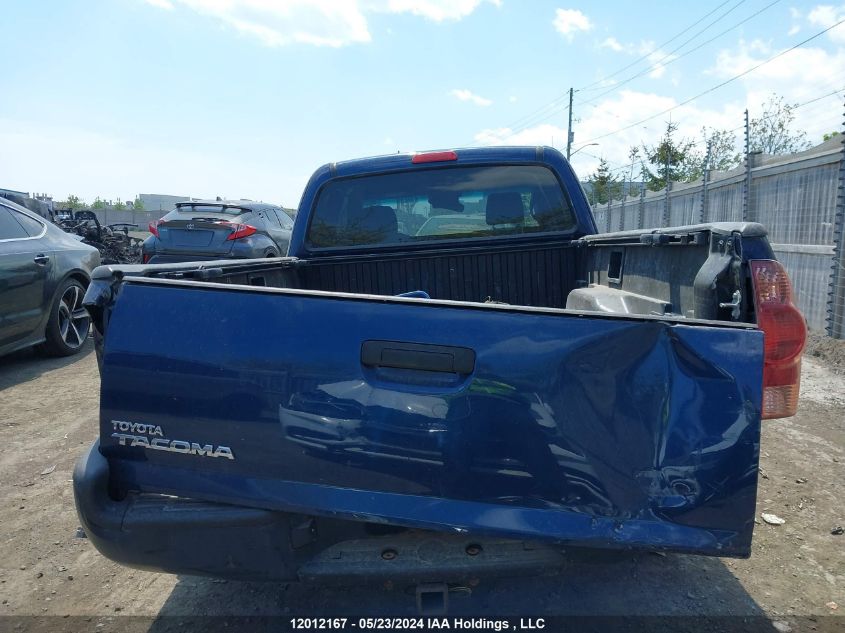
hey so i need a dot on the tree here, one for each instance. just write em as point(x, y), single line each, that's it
point(635, 159)
point(671, 160)
point(723, 154)
point(72, 202)
point(772, 132)
point(830, 135)
point(604, 186)
point(119, 205)
point(98, 204)
point(138, 205)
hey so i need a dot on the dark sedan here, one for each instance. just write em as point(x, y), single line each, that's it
point(43, 276)
point(218, 229)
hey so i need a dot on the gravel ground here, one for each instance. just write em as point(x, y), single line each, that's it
point(795, 577)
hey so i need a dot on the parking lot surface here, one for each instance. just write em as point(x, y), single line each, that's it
point(795, 576)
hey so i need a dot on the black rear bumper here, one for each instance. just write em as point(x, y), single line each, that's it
point(187, 536)
point(181, 536)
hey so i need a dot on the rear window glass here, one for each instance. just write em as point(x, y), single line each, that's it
point(10, 229)
point(437, 204)
point(31, 226)
point(210, 208)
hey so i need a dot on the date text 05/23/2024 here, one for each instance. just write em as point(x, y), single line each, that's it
point(418, 623)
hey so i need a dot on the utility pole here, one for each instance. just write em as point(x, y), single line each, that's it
point(569, 133)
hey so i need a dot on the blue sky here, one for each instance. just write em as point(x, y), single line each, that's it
point(247, 97)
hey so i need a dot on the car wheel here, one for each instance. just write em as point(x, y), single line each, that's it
point(69, 323)
point(271, 254)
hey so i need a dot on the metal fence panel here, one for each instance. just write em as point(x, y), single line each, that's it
point(724, 202)
point(797, 197)
point(810, 275)
point(684, 208)
point(798, 206)
point(653, 212)
point(600, 214)
point(630, 216)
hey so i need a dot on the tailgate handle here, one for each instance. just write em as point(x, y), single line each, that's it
point(454, 360)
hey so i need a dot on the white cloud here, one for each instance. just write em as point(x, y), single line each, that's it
point(436, 10)
point(798, 75)
point(513, 99)
point(654, 56)
point(826, 15)
point(658, 60)
point(646, 48)
point(331, 23)
point(794, 29)
point(570, 21)
point(466, 95)
point(318, 22)
point(538, 135)
point(613, 44)
point(161, 4)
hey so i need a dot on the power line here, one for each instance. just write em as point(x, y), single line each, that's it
point(656, 48)
point(527, 120)
point(668, 61)
point(548, 110)
point(717, 86)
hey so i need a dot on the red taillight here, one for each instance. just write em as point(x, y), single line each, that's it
point(154, 226)
point(785, 335)
point(146, 258)
point(240, 230)
point(434, 157)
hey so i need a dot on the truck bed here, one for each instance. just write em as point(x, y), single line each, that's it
point(684, 272)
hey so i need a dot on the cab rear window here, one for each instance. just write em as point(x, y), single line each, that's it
point(439, 204)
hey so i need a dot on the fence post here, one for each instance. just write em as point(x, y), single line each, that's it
point(641, 218)
point(746, 189)
point(622, 208)
point(836, 292)
point(666, 201)
point(705, 178)
point(609, 222)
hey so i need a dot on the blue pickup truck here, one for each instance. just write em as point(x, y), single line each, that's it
point(452, 374)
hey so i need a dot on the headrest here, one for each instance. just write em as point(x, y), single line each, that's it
point(445, 200)
point(505, 208)
point(379, 219)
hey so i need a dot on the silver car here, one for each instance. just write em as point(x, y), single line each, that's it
point(218, 229)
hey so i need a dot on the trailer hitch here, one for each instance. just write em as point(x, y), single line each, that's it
point(432, 598)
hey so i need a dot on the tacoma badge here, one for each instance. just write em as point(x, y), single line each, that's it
point(158, 442)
